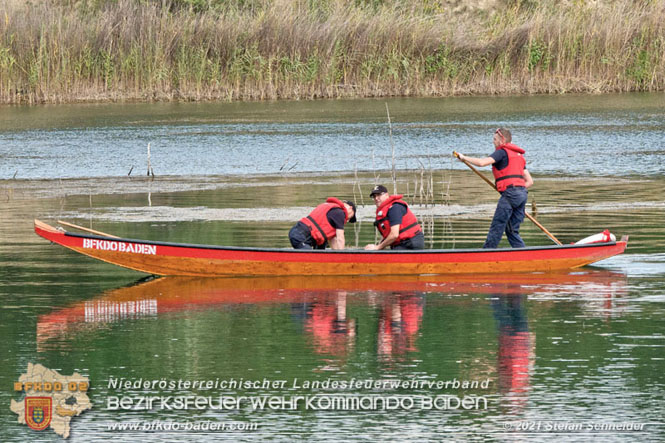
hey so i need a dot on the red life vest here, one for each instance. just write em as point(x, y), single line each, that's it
point(513, 173)
point(409, 226)
point(317, 220)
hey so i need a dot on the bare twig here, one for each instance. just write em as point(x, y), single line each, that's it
point(421, 189)
point(356, 184)
point(285, 162)
point(392, 146)
point(149, 167)
point(376, 177)
point(430, 190)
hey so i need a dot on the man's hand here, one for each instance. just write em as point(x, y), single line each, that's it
point(394, 233)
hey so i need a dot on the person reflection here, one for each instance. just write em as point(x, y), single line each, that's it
point(516, 343)
point(399, 322)
point(331, 331)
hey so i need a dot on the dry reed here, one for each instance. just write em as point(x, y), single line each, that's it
point(65, 51)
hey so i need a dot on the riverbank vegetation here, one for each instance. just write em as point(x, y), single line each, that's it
point(97, 50)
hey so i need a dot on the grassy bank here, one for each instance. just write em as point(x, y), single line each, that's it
point(64, 51)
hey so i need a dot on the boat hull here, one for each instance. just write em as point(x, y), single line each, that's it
point(162, 258)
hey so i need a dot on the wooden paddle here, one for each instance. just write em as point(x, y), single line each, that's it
point(92, 231)
point(542, 228)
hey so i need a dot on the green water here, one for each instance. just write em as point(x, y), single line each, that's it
point(578, 350)
point(585, 347)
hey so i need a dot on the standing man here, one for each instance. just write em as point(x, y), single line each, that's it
point(512, 180)
point(395, 221)
point(324, 224)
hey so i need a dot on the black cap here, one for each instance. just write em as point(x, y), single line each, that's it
point(378, 189)
point(353, 205)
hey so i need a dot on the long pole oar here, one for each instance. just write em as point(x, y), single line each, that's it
point(542, 228)
point(92, 231)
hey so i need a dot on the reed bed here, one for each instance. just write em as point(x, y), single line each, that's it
point(69, 51)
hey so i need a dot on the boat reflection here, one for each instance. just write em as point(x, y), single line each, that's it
point(320, 305)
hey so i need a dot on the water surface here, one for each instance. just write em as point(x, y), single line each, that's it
point(589, 135)
point(583, 347)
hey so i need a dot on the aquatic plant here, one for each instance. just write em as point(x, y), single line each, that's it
point(89, 50)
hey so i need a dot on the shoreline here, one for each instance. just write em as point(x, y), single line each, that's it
point(99, 52)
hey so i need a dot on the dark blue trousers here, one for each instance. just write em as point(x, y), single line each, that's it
point(301, 237)
point(415, 242)
point(508, 217)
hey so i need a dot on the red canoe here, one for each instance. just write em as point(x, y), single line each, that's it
point(162, 258)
